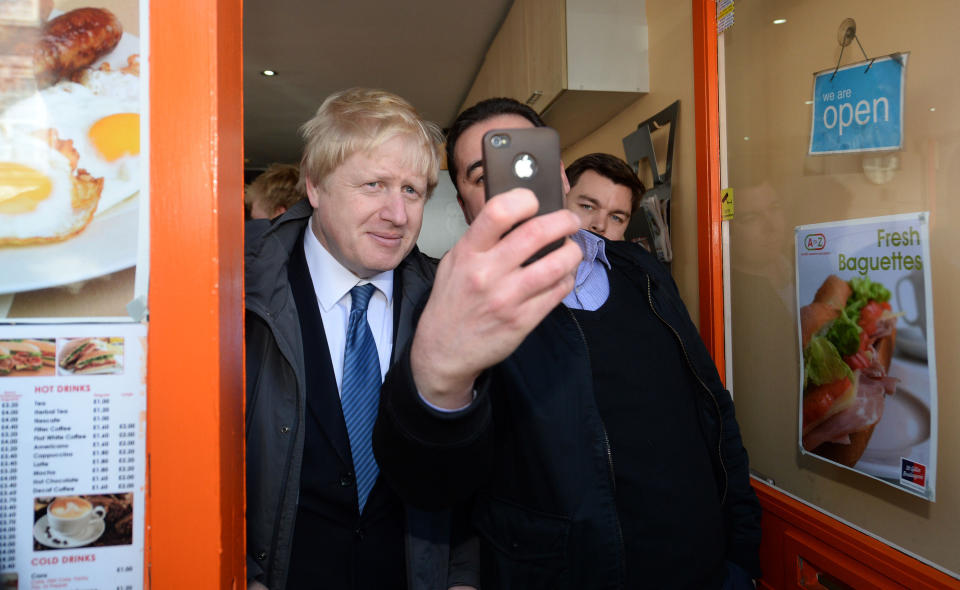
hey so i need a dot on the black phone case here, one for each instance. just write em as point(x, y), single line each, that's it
point(507, 151)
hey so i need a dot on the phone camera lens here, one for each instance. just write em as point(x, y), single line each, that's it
point(499, 141)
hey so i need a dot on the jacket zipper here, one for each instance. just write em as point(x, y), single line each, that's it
point(606, 446)
point(723, 467)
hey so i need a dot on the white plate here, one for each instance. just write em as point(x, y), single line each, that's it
point(904, 429)
point(107, 245)
point(48, 537)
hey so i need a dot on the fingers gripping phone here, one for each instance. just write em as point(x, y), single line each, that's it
point(525, 158)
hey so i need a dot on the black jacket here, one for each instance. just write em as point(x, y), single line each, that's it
point(276, 406)
point(532, 450)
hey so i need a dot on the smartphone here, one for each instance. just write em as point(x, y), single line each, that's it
point(525, 158)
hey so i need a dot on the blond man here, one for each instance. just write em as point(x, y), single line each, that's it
point(330, 286)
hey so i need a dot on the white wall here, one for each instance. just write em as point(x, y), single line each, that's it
point(443, 222)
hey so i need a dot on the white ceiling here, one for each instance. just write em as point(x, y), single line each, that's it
point(427, 51)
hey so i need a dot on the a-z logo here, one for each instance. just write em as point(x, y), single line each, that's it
point(815, 242)
point(913, 473)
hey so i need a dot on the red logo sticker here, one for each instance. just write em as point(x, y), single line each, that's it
point(815, 242)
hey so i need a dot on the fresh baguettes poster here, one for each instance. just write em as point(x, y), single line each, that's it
point(867, 376)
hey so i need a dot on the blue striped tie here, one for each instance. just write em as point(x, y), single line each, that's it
point(360, 391)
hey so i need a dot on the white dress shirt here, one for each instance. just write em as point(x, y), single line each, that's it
point(332, 283)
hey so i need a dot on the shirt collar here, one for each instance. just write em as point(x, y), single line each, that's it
point(592, 245)
point(336, 279)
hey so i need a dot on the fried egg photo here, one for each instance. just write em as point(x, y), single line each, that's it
point(101, 117)
point(43, 197)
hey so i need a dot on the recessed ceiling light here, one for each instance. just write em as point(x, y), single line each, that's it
point(779, 21)
point(932, 109)
point(746, 138)
point(268, 73)
point(808, 102)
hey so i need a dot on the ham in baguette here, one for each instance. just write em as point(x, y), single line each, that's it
point(847, 335)
point(24, 355)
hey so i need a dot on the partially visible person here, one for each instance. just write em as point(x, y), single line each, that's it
point(330, 288)
point(604, 193)
point(594, 437)
point(273, 192)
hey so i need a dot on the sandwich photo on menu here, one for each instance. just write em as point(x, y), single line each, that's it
point(48, 351)
point(26, 358)
point(91, 356)
point(848, 333)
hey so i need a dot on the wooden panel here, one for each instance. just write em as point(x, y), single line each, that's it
point(483, 85)
point(842, 540)
point(566, 113)
point(195, 532)
point(771, 550)
point(508, 56)
point(812, 565)
point(504, 69)
point(545, 33)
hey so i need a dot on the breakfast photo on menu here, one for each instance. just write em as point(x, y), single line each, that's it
point(70, 151)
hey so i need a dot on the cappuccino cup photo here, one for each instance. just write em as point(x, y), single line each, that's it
point(70, 516)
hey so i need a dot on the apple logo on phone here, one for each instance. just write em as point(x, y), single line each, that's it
point(524, 166)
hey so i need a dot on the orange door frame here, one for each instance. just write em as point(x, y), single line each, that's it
point(707, 132)
point(194, 502)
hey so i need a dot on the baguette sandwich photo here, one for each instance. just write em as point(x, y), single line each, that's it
point(848, 333)
point(21, 355)
point(88, 356)
point(48, 351)
point(6, 361)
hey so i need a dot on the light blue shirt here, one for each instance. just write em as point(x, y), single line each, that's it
point(592, 287)
point(332, 283)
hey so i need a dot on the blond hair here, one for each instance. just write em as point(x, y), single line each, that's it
point(277, 187)
point(359, 120)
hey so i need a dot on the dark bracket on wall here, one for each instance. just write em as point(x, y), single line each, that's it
point(652, 228)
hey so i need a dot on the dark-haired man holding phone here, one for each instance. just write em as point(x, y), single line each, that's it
point(571, 400)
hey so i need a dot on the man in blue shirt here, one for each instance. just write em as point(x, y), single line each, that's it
point(594, 437)
point(604, 193)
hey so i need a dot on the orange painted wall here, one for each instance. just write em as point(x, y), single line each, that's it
point(195, 535)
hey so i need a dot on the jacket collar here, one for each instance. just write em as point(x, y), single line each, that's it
point(268, 245)
point(636, 256)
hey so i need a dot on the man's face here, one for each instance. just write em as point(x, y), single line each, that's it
point(368, 212)
point(602, 205)
point(469, 157)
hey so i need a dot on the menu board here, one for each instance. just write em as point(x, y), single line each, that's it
point(868, 371)
point(72, 456)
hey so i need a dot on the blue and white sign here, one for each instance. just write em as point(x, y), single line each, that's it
point(859, 110)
